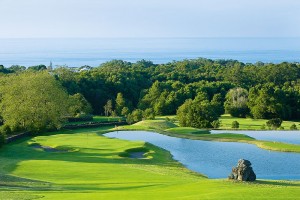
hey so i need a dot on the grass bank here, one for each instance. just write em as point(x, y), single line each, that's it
point(95, 168)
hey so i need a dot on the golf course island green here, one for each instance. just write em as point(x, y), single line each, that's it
point(96, 167)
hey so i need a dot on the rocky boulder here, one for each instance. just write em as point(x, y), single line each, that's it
point(243, 171)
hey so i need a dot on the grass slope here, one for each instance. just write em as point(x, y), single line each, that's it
point(94, 169)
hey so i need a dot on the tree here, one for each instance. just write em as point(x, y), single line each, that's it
point(197, 114)
point(293, 127)
point(33, 101)
point(129, 119)
point(216, 123)
point(235, 124)
point(125, 111)
point(120, 103)
point(137, 115)
point(149, 113)
point(274, 123)
point(79, 105)
point(108, 108)
point(236, 102)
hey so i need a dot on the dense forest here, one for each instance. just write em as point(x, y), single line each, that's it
point(198, 90)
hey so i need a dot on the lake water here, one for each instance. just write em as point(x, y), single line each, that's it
point(216, 159)
point(79, 52)
point(292, 137)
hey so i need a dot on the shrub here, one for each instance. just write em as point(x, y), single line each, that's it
point(263, 127)
point(216, 123)
point(293, 127)
point(274, 123)
point(129, 119)
point(281, 128)
point(149, 113)
point(6, 129)
point(137, 115)
point(235, 124)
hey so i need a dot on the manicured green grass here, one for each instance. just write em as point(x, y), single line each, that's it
point(97, 118)
point(150, 125)
point(185, 130)
point(250, 124)
point(95, 170)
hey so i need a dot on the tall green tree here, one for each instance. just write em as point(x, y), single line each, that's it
point(78, 105)
point(120, 103)
point(33, 101)
point(198, 114)
point(236, 102)
point(108, 108)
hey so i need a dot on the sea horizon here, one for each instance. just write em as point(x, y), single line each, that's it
point(76, 52)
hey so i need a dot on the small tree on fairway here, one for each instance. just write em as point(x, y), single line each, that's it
point(293, 127)
point(235, 124)
point(274, 123)
point(216, 123)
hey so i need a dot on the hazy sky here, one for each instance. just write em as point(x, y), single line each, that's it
point(149, 18)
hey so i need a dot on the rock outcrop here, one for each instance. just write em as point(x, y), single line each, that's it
point(243, 171)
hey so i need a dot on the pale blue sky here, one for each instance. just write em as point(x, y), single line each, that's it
point(149, 18)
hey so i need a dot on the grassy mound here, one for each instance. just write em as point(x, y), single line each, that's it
point(151, 125)
point(185, 130)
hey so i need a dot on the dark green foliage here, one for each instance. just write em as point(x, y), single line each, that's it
point(197, 113)
point(129, 118)
point(235, 124)
point(137, 115)
point(269, 101)
point(79, 105)
point(6, 129)
point(293, 127)
point(2, 138)
point(37, 68)
point(236, 102)
point(274, 123)
point(149, 114)
point(216, 123)
point(274, 89)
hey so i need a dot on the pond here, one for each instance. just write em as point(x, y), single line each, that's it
point(292, 137)
point(216, 159)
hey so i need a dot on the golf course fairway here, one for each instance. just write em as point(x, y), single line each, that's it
point(83, 164)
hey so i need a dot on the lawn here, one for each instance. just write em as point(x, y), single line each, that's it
point(98, 118)
point(94, 167)
point(251, 124)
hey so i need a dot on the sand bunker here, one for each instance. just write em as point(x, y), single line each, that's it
point(137, 155)
point(48, 149)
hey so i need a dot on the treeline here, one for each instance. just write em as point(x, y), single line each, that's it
point(189, 88)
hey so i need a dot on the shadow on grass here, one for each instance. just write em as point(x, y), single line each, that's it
point(278, 183)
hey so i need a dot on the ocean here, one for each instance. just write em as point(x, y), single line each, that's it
point(77, 52)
